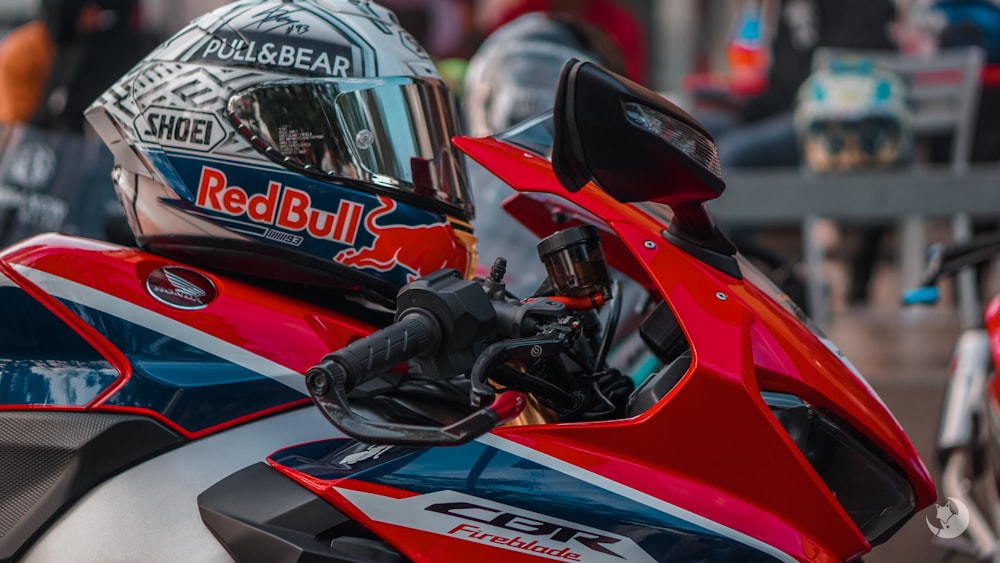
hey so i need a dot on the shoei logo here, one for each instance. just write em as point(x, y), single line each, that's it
point(180, 129)
point(949, 521)
point(280, 206)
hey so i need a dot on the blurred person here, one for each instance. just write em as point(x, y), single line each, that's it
point(514, 73)
point(96, 41)
point(513, 76)
point(26, 55)
point(620, 25)
point(759, 131)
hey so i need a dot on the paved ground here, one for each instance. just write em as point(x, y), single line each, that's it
point(904, 354)
point(904, 358)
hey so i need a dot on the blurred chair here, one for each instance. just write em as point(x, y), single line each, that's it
point(943, 91)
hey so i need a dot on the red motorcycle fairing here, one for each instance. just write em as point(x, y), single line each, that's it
point(689, 286)
point(715, 419)
point(992, 317)
point(112, 356)
point(197, 351)
point(492, 494)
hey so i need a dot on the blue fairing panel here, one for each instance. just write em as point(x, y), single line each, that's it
point(486, 472)
point(42, 360)
point(184, 383)
point(45, 362)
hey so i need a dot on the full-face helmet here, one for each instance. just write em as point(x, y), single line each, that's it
point(514, 73)
point(305, 141)
point(853, 114)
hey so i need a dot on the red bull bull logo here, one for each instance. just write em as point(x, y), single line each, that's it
point(280, 206)
point(418, 249)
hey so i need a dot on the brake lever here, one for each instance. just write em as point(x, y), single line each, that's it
point(329, 392)
point(553, 339)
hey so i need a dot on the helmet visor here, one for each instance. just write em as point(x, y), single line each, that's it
point(391, 133)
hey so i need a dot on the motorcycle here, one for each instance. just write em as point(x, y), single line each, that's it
point(968, 437)
point(154, 410)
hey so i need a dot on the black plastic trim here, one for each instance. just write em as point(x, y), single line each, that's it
point(49, 459)
point(260, 515)
point(720, 260)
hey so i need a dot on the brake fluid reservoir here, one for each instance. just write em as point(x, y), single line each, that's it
point(575, 262)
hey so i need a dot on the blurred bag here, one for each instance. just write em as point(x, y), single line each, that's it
point(52, 181)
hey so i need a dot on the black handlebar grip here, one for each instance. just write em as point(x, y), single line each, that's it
point(416, 333)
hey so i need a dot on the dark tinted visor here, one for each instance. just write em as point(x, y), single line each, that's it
point(872, 134)
point(392, 133)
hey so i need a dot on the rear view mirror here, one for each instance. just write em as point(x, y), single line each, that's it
point(636, 146)
point(630, 141)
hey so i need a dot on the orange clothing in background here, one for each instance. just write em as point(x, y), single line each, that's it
point(26, 55)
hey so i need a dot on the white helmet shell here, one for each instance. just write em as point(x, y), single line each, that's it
point(292, 133)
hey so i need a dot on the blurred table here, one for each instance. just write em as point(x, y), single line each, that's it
point(789, 196)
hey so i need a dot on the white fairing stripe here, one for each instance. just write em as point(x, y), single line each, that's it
point(415, 513)
point(78, 293)
point(620, 489)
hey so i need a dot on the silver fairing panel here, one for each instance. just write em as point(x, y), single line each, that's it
point(150, 513)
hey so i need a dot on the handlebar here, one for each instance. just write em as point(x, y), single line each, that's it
point(327, 386)
point(416, 333)
point(447, 323)
point(949, 259)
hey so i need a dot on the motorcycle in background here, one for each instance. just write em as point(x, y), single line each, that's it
point(155, 410)
point(968, 439)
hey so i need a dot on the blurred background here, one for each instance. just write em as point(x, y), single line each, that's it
point(846, 253)
point(684, 36)
point(681, 32)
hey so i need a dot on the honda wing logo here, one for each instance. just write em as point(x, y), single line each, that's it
point(180, 288)
point(184, 287)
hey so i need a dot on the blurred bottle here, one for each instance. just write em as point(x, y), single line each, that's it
point(746, 52)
